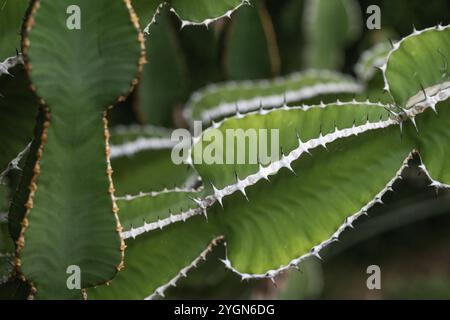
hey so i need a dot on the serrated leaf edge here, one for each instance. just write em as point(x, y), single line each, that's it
point(315, 251)
point(159, 292)
point(343, 84)
point(396, 46)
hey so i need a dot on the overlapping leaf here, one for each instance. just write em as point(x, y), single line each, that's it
point(142, 161)
point(217, 101)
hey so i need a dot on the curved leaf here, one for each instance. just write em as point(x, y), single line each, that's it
point(216, 101)
point(156, 260)
point(151, 211)
point(290, 215)
point(304, 122)
point(141, 159)
point(417, 76)
point(418, 66)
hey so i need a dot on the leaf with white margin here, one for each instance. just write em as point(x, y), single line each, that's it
point(417, 76)
point(417, 66)
point(155, 210)
point(156, 260)
point(204, 12)
point(219, 100)
point(432, 144)
point(141, 157)
point(286, 217)
point(306, 122)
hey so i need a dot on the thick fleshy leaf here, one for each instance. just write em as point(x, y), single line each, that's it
point(156, 260)
point(418, 65)
point(432, 143)
point(71, 185)
point(219, 100)
point(154, 210)
point(315, 208)
point(417, 76)
point(306, 122)
point(142, 161)
point(251, 48)
point(329, 26)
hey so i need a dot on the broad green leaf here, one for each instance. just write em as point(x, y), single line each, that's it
point(142, 161)
point(79, 73)
point(163, 82)
point(432, 143)
point(419, 63)
point(290, 210)
point(307, 122)
point(417, 76)
point(266, 234)
point(251, 47)
point(329, 26)
point(219, 100)
point(156, 260)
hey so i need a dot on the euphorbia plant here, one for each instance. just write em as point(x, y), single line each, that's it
point(337, 159)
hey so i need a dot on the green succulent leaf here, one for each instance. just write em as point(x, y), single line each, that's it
point(417, 76)
point(156, 260)
point(78, 74)
point(151, 211)
point(141, 157)
point(290, 210)
point(417, 67)
point(217, 101)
